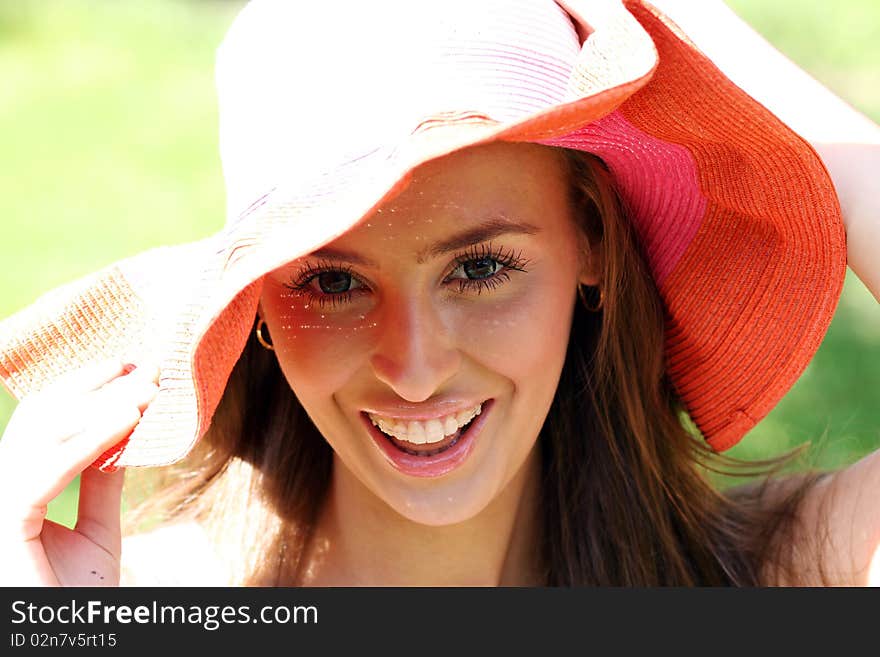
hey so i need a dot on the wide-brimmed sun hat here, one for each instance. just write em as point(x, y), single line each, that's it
point(326, 109)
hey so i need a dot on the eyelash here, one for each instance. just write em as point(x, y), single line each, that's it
point(299, 283)
point(508, 259)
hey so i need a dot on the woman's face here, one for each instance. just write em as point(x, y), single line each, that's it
point(454, 297)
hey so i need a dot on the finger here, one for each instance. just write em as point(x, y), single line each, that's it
point(86, 378)
point(147, 371)
point(114, 423)
point(43, 420)
point(96, 375)
point(100, 500)
point(31, 479)
point(138, 388)
point(42, 481)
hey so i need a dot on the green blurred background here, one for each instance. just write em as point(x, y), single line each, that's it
point(108, 146)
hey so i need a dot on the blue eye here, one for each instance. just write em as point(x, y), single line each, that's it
point(485, 268)
point(334, 282)
point(482, 268)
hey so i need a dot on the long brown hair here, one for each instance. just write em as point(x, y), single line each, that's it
point(626, 492)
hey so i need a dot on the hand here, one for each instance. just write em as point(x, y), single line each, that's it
point(52, 437)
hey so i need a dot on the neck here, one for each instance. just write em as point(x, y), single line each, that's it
point(361, 541)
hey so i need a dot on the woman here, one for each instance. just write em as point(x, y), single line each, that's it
point(459, 357)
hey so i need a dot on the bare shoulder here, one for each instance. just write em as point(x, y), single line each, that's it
point(836, 539)
point(172, 555)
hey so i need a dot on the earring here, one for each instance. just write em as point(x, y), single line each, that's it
point(594, 292)
point(259, 331)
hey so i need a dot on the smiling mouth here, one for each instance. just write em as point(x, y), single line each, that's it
point(423, 450)
point(425, 438)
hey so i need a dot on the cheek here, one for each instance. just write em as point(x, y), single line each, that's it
point(523, 337)
point(317, 351)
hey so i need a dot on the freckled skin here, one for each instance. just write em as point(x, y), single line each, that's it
point(408, 334)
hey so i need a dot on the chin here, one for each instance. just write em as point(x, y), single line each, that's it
point(439, 508)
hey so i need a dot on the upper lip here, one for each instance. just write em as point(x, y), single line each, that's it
point(423, 412)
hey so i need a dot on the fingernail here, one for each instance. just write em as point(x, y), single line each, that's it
point(146, 370)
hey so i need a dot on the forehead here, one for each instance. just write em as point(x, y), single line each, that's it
point(512, 170)
point(515, 183)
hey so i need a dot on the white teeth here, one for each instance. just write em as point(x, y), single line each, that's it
point(434, 431)
point(415, 433)
point(423, 432)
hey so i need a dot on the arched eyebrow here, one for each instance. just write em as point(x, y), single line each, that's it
point(483, 232)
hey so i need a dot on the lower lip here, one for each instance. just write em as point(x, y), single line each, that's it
point(438, 464)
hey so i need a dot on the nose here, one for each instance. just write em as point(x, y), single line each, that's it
point(415, 354)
